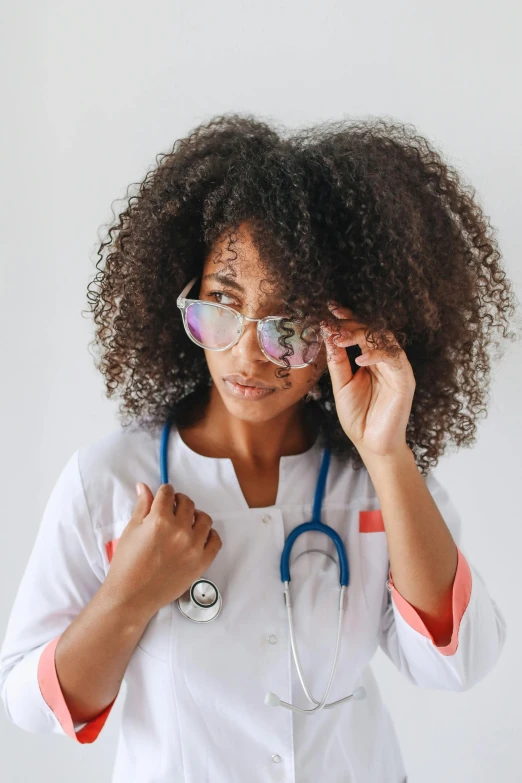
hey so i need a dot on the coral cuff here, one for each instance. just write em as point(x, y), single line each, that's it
point(460, 600)
point(53, 696)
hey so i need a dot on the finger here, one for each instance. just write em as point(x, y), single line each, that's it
point(358, 337)
point(145, 498)
point(173, 504)
point(352, 337)
point(213, 542)
point(346, 338)
point(185, 509)
point(338, 364)
point(345, 314)
point(202, 525)
point(343, 323)
point(347, 317)
point(375, 356)
point(339, 310)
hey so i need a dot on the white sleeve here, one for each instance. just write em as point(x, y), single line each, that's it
point(63, 573)
point(479, 628)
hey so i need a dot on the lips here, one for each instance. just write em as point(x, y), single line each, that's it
point(243, 381)
point(248, 392)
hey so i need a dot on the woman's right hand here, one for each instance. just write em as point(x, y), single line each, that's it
point(161, 551)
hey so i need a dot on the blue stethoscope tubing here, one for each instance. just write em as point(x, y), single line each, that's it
point(316, 525)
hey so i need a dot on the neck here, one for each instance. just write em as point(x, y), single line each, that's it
point(218, 433)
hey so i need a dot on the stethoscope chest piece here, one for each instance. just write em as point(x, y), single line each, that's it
point(202, 602)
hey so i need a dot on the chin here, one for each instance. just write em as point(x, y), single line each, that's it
point(252, 410)
point(255, 410)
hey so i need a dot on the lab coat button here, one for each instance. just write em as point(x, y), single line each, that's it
point(272, 639)
point(267, 518)
point(276, 758)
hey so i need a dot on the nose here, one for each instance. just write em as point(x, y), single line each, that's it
point(247, 347)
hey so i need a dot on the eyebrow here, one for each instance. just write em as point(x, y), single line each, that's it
point(225, 280)
point(229, 281)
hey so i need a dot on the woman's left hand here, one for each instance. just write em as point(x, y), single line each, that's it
point(373, 404)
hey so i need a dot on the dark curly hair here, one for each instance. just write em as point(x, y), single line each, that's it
point(362, 212)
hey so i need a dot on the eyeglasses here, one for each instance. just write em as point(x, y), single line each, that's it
point(217, 327)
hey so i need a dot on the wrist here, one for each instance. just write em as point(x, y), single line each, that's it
point(401, 453)
point(132, 613)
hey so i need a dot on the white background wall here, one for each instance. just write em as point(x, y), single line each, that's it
point(91, 93)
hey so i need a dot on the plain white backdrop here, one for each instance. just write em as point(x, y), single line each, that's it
point(92, 92)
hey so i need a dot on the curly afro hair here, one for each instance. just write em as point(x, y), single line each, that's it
point(366, 213)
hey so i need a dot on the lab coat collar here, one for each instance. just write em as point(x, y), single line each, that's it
point(297, 474)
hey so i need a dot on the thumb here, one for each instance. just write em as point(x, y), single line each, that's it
point(338, 362)
point(145, 498)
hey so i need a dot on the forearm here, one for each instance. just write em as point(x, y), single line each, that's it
point(423, 554)
point(92, 654)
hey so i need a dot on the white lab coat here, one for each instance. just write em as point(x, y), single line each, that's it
point(194, 710)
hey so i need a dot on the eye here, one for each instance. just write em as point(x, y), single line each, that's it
point(219, 293)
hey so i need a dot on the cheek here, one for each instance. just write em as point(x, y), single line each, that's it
point(306, 379)
point(321, 365)
point(217, 363)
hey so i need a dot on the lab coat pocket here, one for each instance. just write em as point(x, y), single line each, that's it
point(156, 637)
point(374, 559)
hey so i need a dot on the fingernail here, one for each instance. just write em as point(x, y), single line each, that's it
point(138, 488)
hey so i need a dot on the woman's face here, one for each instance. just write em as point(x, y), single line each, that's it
point(241, 287)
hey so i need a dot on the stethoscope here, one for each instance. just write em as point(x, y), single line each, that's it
point(202, 602)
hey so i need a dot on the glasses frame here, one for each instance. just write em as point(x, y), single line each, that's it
point(183, 303)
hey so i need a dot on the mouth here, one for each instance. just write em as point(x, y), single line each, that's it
point(239, 390)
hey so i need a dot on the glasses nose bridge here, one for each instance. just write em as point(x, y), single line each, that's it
point(246, 318)
point(257, 336)
point(252, 320)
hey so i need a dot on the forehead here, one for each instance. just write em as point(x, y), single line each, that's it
point(234, 261)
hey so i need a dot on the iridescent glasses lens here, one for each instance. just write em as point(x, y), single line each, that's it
point(217, 327)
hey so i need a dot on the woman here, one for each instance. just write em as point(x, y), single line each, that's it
point(347, 275)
